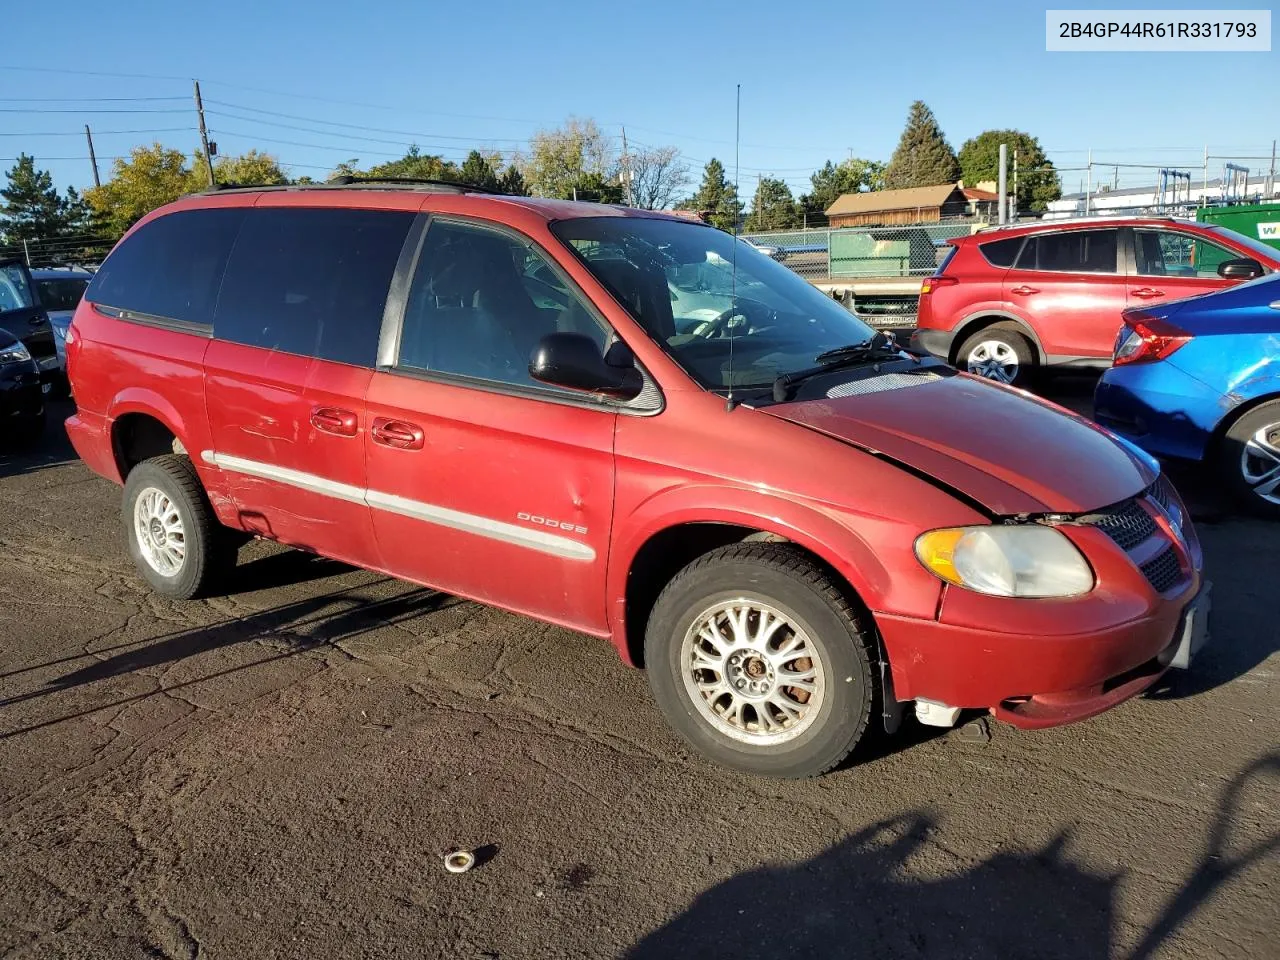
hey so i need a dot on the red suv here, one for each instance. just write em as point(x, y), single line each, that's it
point(1007, 300)
point(797, 528)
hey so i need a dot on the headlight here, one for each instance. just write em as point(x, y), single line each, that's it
point(14, 353)
point(1006, 561)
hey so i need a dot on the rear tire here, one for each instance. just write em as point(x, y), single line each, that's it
point(1249, 460)
point(1000, 352)
point(174, 537)
point(718, 663)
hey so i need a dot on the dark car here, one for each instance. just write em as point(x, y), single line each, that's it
point(23, 315)
point(59, 291)
point(21, 397)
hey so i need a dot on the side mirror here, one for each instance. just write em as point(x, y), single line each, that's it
point(1245, 268)
point(573, 360)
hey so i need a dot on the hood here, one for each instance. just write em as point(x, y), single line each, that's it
point(1004, 448)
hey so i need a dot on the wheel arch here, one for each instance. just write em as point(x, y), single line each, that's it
point(981, 319)
point(1229, 418)
point(143, 425)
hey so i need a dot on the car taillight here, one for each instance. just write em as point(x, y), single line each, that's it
point(1147, 339)
point(931, 284)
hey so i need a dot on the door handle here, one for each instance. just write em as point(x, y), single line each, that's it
point(1024, 290)
point(1146, 293)
point(339, 422)
point(397, 433)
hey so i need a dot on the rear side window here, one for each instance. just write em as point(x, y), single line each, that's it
point(61, 294)
point(311, 281)
point(1073, 251)
point(171, 267)
point(1001, 253)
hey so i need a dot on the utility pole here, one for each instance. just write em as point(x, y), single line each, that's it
point(26, 251)
point(1013, 201)
point(1204, 181)
point(1271, 176)
point(1088, 190)
point(204, 135)
point(626, 168)
point(92, 157)
point(1002, 195)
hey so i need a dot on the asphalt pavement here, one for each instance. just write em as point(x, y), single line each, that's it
point(277, 773)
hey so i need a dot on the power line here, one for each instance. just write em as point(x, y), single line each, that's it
point(95, 110)
point(76, 133)
point(86, 99)
point(351, 126)
point(92, 73)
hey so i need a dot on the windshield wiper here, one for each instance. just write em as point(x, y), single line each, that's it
point(878, 347)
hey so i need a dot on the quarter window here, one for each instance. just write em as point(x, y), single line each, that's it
point(311, 281)
point(1072, 251)
point(1001, 253)
point(1167, 253)
point(480, 301)
point(170, 267)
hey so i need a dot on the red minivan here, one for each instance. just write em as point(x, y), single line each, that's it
point(798, 529)
point(1049, 294)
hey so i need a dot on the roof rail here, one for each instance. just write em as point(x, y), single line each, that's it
point(346, 180)
point(1068, 221)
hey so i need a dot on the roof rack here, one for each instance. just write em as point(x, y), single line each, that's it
point(1060, 221)
point(346, 181)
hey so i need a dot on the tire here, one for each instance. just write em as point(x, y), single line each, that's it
point(999, 352)
point(175, 500)
point(761, 738)
point(1249, 460)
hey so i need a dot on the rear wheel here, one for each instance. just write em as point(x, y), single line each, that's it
point(1249, 459)
point(758, 660)
point(174, 538)
point(999, 352)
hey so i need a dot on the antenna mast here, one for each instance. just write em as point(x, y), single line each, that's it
point(733, 287)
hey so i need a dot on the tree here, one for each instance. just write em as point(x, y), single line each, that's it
point(833, 181)
point(151, 177)
point(923, 157)
point(478, 171)
point(251, 169)
point(559, 158)
point(512, 182)
point(717, 198)
point(32, 209)
point(1037, 179)
point(596, 188)
point(773, 207)
point(657, 175)
point(415, 164)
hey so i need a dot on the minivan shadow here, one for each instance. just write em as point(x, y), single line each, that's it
point(281, 569)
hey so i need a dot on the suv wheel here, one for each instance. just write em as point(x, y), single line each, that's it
point(998, 352)
point(1250, 460)
point(757, 659)
point(174, 538)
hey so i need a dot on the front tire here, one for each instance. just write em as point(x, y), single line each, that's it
point(1249, 460)
point(174, 538)
point(760, 663)
point(999, 352)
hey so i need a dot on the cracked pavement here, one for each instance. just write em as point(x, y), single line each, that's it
point(278, 771)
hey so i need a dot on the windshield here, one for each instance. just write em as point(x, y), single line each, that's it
point(1268, 253)
point(677, 280)
point(61, 294)
point(14, 292)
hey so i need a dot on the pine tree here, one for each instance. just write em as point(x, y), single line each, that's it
point(32, 209)
point(716, 198)
point(773, 207)
point(923, 157)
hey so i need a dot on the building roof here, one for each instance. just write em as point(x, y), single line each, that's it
point(877, 201)
point(972, 193)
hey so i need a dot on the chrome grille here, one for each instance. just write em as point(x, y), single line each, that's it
point(1125, 523)
point(1162, 571)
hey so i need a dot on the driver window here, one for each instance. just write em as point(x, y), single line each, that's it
point(480, 301)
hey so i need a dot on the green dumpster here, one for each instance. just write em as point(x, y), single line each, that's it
point(1259, 221)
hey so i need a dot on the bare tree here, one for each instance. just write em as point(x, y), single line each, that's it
point(658, 177)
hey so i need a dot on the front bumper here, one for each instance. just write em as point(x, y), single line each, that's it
point(21, 396)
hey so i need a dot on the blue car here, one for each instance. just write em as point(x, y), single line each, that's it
point(1199, 379)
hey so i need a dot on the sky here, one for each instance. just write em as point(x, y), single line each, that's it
point(324, 82)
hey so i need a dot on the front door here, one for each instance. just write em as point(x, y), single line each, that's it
point(23, 316)
point(481, 481)
point(296, 332)
point(1171, 264)
point(1070, 288)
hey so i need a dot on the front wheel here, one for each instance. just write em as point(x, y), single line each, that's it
point(1250, 460)
point(174, 538)
point(758, 660)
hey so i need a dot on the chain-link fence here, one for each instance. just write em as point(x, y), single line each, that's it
point(70, 250)
point(852, 253)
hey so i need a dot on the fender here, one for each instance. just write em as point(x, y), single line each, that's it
point(1003, 312)
point(805, 524)
point(147, 401)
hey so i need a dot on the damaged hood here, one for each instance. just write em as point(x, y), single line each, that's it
point(1009, 451)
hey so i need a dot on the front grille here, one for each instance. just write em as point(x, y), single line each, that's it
point(1162, 571)
point(1162, 492)
point(1125, 523)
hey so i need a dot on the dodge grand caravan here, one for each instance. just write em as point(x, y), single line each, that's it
point(796, 528)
